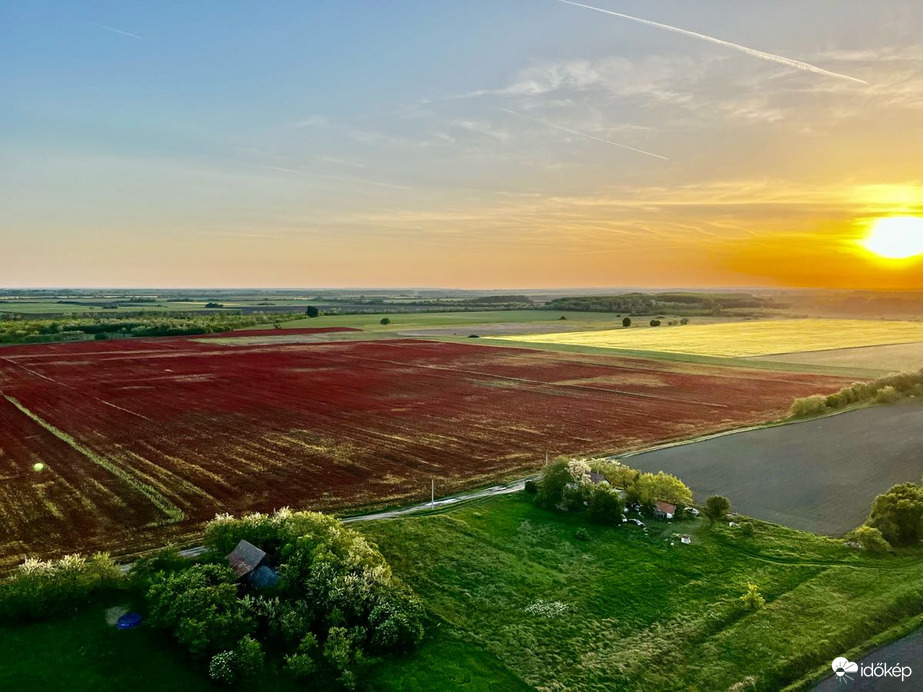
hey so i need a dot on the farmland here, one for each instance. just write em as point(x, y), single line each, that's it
point(142, 440)
point(743, 339)
point(818, 475)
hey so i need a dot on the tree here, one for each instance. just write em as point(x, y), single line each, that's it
point(684, 321)
point(312, 311)
point(655, 323)
point(201, 607)
point(385, 320)
point(870, 539)
point(250, 657)
point(551, 486)
point(626, 322)
point(605, 505)
point(753, 599)
point(663, 486)
point(898, 514)
point(717, 507)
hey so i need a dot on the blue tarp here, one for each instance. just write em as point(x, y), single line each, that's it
point(128, 621)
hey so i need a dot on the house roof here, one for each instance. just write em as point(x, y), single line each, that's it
point(665, 507)
point(245, 558)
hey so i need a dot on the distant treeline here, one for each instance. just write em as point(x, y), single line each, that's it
point(25, 331)
point(674, 303)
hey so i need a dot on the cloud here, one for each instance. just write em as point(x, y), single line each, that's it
point(116, 30)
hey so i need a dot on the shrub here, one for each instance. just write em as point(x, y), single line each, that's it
point(753, 599)
point(200, 606)
point(887, 395)
point(655, 323)
point(626, 322)
point(221, 668)
point(41, 590)
point(385, 321)
point(746, 529)
point(582, 534)
point(898, 514)
point(250, 659)
point(531, 487)
point(717, 507)
point(312, 311)
point(605, 505)
point(870, 539)
point(813, 405)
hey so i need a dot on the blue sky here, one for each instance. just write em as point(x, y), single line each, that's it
point(360, 143)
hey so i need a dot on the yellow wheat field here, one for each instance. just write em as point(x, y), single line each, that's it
point(742, 339)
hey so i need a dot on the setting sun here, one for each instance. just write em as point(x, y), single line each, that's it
point(897, 237)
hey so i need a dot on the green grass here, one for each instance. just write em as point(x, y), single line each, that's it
point(642, 614)
point(84, 654)
point(431, 320)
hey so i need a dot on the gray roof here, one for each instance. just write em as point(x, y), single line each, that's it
point(263, 577)
point(245, 558)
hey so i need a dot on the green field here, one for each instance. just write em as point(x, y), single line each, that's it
point(430, 320)
point(641, 614)
point(743, 339)
point(636, 613)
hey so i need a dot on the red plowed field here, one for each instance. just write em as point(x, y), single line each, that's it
point(143, 440)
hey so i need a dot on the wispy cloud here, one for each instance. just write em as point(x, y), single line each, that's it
point(771, 57)
point(331, 176)
point(566, 130)
point(116, 30)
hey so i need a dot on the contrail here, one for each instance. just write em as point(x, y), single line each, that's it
point(771, 57)
point(581, 134)
point(118, 31)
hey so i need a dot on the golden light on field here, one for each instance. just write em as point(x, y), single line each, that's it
point(896, 237)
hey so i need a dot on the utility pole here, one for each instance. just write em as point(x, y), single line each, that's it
point(432, 493)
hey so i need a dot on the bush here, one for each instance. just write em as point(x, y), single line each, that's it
point(870, 539)
point(385, 321)
point(753, 599)
point(717, 507)
point(582, 534)
point(250, 659)
point(655, 323)
point(200, 606)
point(222, 668)
point(531, 487)
point(41, 590)
point(887, 395)
point(813, 405)
point(551, 486)
point(898, 514)
point(746, 529)
point(626, 322)
point(605, 505)
point(312, 311)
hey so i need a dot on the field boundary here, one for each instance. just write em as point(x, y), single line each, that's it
point(174, 514)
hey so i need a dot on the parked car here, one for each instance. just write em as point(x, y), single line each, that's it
point(693, 511)
point(636, 522)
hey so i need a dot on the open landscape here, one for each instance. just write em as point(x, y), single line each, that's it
point(142, 440)
point(429, 346)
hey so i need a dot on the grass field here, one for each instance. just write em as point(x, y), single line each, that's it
point(429, 320)
point(891, 358)
point(638, 613)
point(743, 339)
point(632, 612)
point(144, 439)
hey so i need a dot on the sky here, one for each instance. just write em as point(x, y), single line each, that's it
point(491, 144)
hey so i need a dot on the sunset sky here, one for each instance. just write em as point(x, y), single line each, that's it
point(456, 143)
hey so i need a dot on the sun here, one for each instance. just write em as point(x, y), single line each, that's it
point(896, 237)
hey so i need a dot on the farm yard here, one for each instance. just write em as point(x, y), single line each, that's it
point(142, 440)
point(743, 339)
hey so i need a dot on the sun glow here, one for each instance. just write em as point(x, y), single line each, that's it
point(896, 237)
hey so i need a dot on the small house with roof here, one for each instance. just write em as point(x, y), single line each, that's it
point(664, 510)
point(251, 565)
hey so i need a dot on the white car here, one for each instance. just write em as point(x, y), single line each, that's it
point(693, 511)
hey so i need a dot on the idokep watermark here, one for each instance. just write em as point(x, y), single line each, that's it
point(846, 670)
